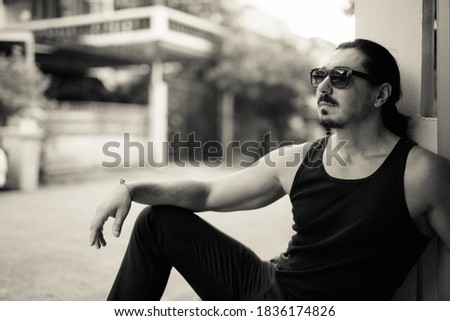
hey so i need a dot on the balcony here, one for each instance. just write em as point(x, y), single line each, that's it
point(135, 35)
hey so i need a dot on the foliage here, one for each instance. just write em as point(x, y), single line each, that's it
point(22, 88)
point(246, 61)
point(269, 77)
point(219, 11)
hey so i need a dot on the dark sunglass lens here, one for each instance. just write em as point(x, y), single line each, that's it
point(340, 78)
point(317, 76)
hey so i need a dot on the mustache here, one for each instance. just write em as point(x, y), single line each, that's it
point(325, 98)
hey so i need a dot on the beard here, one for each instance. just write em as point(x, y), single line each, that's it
point(324, 119)
point(328, 123)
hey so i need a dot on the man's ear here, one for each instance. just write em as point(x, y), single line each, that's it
point(384, 92)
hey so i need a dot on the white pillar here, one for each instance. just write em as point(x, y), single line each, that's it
point(443, 76)
point(160, 21)
point(376, 20)
point(443, 113)
point(158, 111)
point(401, 27)
point(2, 15)
point(226, 106)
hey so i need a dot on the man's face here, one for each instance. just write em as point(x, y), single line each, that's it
point(339, 108)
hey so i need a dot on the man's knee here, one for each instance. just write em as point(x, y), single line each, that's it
point(161, 216)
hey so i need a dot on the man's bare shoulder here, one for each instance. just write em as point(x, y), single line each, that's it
point(427, 179)
point(285, 161)
point(427, 175)
point(426, 164)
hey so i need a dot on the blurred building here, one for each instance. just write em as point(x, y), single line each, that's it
point(124, 66)
point(91, 48)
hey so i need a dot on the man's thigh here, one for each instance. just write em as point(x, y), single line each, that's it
point(217, 266)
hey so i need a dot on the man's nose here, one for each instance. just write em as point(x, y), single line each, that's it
point(325, 86)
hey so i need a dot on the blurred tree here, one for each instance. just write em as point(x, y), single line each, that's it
point(219, 11)
point(248, 63)
point(22, 88)
point(349, 10)
point(22, 95)
point(270, 77)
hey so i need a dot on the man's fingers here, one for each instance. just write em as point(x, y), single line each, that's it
point(101, 238)
point(93, 237)
point(117, 225)
point(95, 229)
point(96, 237)
point(121, 214)
point(118, 222)
point(118, 211)
point(98, 244)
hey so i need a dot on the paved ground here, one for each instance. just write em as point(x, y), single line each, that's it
point(44, 252)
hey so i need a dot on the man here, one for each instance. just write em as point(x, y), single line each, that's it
point(360, 224)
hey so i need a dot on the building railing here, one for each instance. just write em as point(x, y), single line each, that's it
point(158, 20)
point(192, 31)
point(108, 27)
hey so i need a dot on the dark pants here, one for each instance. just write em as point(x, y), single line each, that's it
point(214, 264)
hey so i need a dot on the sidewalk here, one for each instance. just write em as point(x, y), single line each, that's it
point(44, 250)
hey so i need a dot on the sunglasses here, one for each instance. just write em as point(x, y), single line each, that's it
point(339, 77)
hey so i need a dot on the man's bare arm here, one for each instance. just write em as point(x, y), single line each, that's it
point(430, 181)
point(253, 187)
point(249, 188)
point(438, 192)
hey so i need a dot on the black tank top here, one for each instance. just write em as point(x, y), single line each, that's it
point(355, 239)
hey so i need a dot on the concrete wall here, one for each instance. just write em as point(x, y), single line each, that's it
point(406, 28)
point(397, 25)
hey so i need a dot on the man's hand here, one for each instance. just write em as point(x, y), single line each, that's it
point(116, 205)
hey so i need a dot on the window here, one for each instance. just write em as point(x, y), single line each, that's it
point(428, 106)
point(124, 4)
point(45, 9)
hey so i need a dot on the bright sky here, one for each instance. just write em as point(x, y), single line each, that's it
point(312, 18)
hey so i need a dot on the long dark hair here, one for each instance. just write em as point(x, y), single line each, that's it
point(381, 65)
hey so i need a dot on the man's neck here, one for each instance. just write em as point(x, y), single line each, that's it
point(364, 140)
point(359, 153)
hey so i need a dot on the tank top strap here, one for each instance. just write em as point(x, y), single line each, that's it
point(394, 164)
point(312, 159)
point(396, 160)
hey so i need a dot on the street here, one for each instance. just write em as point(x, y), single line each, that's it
point(44, 236)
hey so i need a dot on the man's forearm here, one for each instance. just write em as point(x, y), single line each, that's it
point(187, 194)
